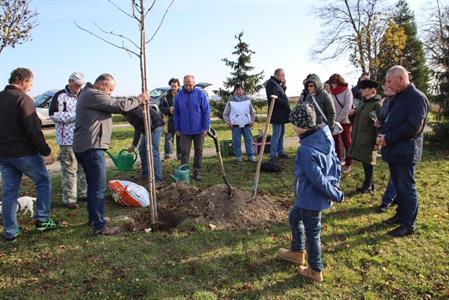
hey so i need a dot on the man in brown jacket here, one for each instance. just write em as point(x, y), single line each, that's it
point(23, 150)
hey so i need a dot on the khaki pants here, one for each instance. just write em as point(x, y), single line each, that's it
point(73, 177)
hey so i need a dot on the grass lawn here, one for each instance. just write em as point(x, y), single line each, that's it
point(361, 261)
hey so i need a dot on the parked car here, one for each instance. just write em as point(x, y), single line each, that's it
point(42, 102)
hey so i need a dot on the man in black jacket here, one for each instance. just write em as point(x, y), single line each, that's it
point(401, 140)
point(167, 109)
point(23, 150)
point(276, 86)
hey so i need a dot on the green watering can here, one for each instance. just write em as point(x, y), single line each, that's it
point(124, 161)
point(182, 174)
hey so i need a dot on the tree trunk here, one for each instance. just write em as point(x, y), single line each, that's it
point(147, 123)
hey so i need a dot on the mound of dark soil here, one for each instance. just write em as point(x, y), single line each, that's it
point(214, 208)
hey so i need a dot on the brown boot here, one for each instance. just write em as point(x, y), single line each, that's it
point(309, 273)
point(297, 257)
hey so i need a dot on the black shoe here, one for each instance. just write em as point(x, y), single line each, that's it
point(393, 220)
point(401, 231)
point(382, 208)
point(14, 238)
point(197, 177)
point(284, 156)
point(364, 190)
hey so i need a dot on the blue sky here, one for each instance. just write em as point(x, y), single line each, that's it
point(195, 36)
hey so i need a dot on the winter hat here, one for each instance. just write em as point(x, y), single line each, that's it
point(303, 116)
point(368, 84)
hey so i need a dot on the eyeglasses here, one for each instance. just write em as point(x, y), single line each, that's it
point(310, 85)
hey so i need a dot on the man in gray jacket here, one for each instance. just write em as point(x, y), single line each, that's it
point(92, 137)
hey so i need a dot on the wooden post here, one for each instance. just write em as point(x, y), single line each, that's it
point(262, 147)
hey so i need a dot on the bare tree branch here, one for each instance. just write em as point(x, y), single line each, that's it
point(160, 23)
point(123, 11)
point(117, 35)
point(150, 8)
point(106, 41)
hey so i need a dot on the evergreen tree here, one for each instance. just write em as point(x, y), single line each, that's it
point(240, 68)
point(436, 34)
point(413, 58)
point(252, 83)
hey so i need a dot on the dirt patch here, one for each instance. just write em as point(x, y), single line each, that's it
point(214, 208)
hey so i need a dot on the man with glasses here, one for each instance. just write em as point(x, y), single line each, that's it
point(192, 120)
point(62, 110)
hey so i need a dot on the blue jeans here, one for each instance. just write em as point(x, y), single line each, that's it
point(168, 144)
point(309, 221)
point(156, 141)
point(12, 169)
point(94, 166)
point(390, 193)
point(403, 176)
point(237, 141)
point(277, 140)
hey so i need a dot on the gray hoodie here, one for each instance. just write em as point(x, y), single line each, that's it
point(93, 127)
point(324, 100)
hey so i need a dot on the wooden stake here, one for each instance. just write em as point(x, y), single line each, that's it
point(262, 147)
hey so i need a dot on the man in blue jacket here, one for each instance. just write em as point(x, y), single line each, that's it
point(401, 139)
point(191, 116)
point(316, 184)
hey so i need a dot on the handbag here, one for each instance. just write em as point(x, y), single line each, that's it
point(337, 129)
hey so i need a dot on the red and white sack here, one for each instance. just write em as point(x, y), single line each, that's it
point(127, 193)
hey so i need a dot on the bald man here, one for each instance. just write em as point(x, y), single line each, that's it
point(401, 139)
point(192, 120)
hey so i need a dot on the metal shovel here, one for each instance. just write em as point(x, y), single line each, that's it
point(213, 134)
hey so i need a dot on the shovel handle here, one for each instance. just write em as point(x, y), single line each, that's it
point(212, 133)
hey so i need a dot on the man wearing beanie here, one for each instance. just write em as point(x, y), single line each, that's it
point(316, 184)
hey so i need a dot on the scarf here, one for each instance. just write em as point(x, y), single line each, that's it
point(339, 89)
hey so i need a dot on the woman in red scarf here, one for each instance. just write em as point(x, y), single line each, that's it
point(342, 97)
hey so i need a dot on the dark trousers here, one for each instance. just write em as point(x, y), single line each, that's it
point(368, 170)
point(403, 176)
point(94, 166)
point(186, 144)
point(390, 193)
point(346, 138)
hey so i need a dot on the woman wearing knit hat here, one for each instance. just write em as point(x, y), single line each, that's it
point(316, 185)
point(364, 132)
